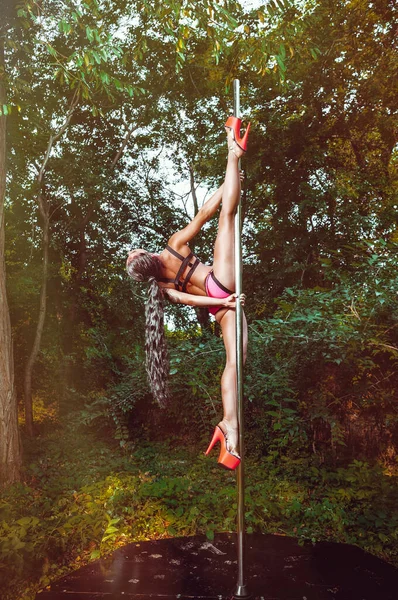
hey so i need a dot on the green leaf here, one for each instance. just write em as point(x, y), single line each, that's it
point(210, 534)
point(108, 537)
point(24, 521)
point(281, 64)
point(230, 19)
point(273, 413)
point(51, 50)
point(97, 57)
point(111, 529)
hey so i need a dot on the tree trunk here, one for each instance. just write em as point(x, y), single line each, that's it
point(42, 315)
point(10, 448)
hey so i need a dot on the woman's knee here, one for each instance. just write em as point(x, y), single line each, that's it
point(230, 366)
point(227, 213)
point(232, 363)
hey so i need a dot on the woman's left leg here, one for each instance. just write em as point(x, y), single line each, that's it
point(229, 423)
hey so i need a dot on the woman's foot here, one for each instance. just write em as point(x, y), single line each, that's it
point(232, 144)
point(236, 144)
point(231, 435)
point(229, 458)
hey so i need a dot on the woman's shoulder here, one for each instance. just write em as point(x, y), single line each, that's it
point(177, 241)
point(176, 249)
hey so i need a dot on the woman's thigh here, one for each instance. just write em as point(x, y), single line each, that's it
point(224, 252)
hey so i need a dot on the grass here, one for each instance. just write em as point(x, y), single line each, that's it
point(82, 497)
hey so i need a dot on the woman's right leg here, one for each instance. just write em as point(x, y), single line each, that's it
point(224, 255)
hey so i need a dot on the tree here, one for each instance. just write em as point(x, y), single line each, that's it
point(74, 85)
point(10, 450)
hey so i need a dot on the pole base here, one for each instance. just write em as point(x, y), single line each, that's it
point(241, 593)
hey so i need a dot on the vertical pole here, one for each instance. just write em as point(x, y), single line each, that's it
point(241, 590)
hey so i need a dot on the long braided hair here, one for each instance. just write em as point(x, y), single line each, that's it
point(147, 267)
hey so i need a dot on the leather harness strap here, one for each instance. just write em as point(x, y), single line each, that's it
point(185, 262)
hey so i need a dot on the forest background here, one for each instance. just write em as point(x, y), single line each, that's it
point(111, 135)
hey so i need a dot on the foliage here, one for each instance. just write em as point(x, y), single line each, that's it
point(81, 498)
point(324, 365)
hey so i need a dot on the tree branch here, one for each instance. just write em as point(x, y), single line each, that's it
point(124, 144)
point(56, 136)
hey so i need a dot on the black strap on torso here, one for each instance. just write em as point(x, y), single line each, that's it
point(185, 262)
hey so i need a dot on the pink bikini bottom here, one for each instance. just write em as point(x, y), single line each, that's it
point(215, 289)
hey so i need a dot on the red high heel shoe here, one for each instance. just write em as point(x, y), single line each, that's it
point(226, 458)
point(234, 124)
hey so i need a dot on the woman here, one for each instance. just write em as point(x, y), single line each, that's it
point(179, 276)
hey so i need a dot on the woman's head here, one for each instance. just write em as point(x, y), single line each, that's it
point(142, 265)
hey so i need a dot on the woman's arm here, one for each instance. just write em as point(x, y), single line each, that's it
point(208, 210)
point(192, 300)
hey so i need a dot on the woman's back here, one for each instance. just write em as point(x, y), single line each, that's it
point(183, 271)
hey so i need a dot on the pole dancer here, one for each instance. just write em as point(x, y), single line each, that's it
point(178, 276)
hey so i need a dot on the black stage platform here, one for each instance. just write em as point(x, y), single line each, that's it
point(192, 567)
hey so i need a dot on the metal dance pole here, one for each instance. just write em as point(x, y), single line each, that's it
point(241, 590)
